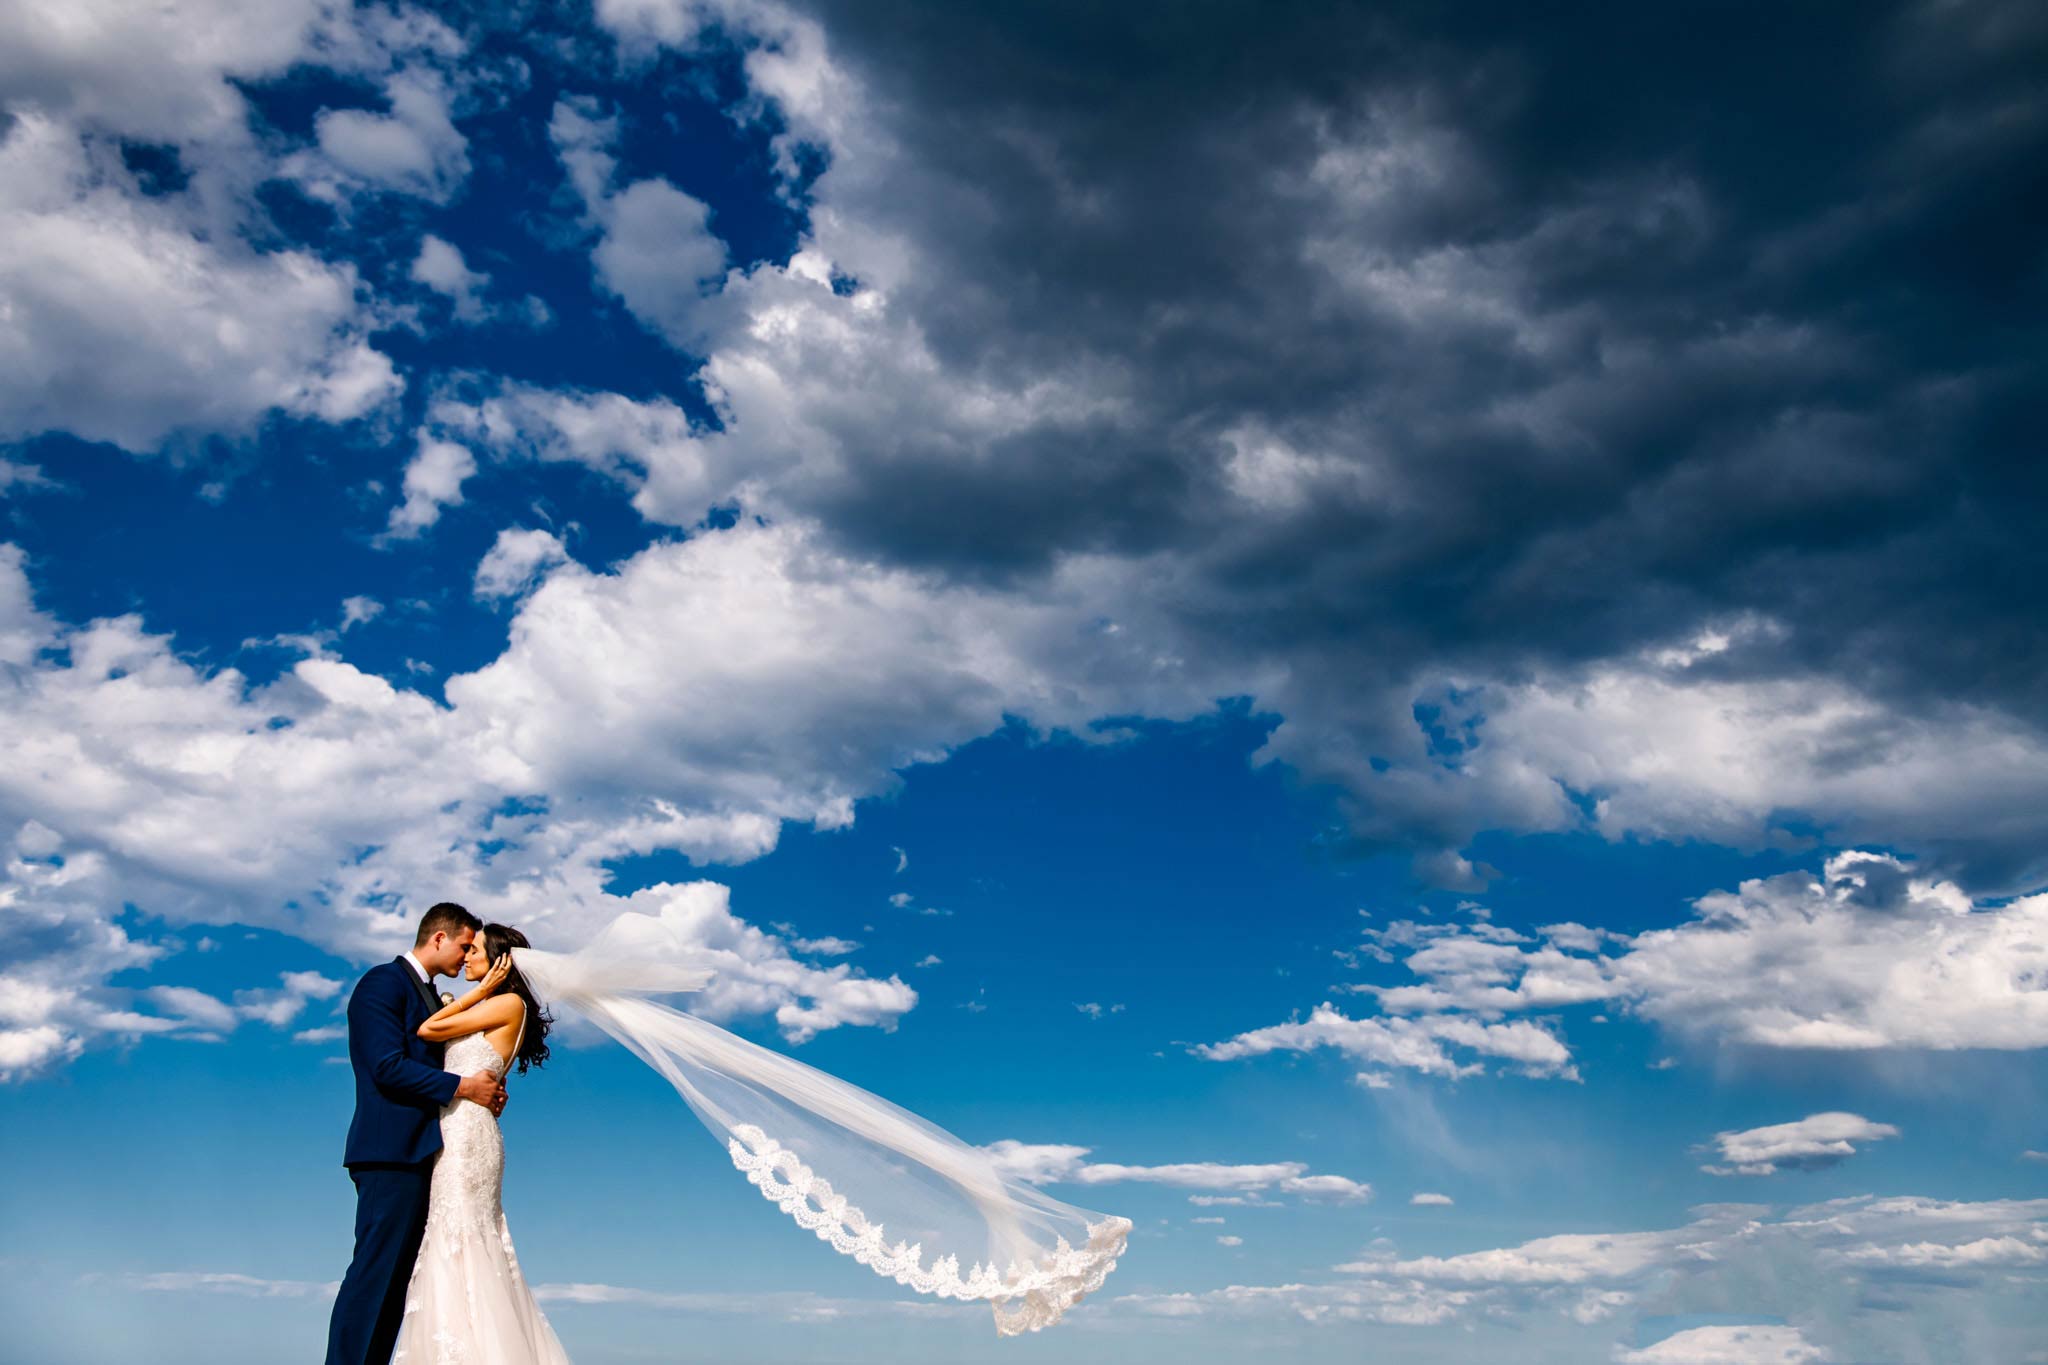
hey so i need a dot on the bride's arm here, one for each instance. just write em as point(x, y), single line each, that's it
point(481, 1010)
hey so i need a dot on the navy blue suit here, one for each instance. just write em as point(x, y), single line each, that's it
point(400, 1092)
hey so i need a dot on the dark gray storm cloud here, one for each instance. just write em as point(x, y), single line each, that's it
point(1788, 277)
point(1572, 330)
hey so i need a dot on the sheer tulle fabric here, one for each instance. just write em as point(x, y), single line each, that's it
point(875, 1182)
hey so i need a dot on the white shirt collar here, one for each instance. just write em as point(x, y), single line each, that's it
point(422, 972)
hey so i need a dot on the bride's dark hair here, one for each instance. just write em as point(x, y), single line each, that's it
point(500, 939)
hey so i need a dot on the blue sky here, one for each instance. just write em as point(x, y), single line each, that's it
point(1278, 611)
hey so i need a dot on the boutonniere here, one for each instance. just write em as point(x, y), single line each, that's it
point(446, 998)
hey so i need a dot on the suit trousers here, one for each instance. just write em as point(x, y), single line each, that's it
point(391, 1217)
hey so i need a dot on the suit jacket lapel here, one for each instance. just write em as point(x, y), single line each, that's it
point(421, 988)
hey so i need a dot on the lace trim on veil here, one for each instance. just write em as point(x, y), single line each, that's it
point(1026, 1298)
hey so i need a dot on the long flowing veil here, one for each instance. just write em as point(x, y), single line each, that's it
point(843, 1163)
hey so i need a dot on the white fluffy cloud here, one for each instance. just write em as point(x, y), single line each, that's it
point(814, 386)
point(433, 480)
point(658, 254)
point(23, 630)
point(1805, 1144)
point(756, 974)
point(516, 562)
point(1870, 954)
point(128, 322)
point(412, 147)
point(648, 448)
point(676, 704)
point(755, 669)
point(359, 610)
point(28, 1051)
point(693, 699)
point(440, 267)
point(162, 71)
point(828, 946)
point(1662, 743)
point(655, 248)
point(138, 312)
point(1984, 1253)
point(1335, 1188)
point(193, 1007)
point(1199, 1175)
point(277, 1007)
point(1036, 1163)
point(1725, 1345)
point(1422, 1044)
point(1668, 751)
point(1565, 1260)
point(280, 1006)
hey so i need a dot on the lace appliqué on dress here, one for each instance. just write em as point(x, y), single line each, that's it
point(468, 1303)
point(1025, 1298)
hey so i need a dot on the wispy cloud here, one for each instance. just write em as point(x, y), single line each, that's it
point(793, 1306)
point(1809, 1144)
point(219, 1282)
point(1776, 1262)
point(825, 946)
point(1047, 1163)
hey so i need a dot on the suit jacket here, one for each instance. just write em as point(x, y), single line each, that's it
point(400, 1086)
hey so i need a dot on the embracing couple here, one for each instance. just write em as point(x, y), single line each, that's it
point(434, 1274)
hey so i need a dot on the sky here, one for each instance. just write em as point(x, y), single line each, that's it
point(1404, 643)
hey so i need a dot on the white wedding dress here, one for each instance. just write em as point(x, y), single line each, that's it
point(467, 1303)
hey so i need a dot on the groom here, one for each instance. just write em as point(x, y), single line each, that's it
point(400, 1092)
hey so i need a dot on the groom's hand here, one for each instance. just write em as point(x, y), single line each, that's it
point(481, 1087)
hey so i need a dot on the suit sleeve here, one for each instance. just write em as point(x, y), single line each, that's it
point(376, 1025)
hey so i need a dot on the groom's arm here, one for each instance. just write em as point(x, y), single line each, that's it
point(376, 1021)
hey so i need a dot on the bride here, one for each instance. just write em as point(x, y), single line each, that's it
point(467, 1300)
point(810, 1142)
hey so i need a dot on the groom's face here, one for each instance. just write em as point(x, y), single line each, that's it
point(444, 952)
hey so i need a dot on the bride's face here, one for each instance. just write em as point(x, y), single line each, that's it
point(474, 963)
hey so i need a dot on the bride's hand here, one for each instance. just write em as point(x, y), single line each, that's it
point(495, 977)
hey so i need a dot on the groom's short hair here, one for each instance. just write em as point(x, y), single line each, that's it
point(446, 918)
